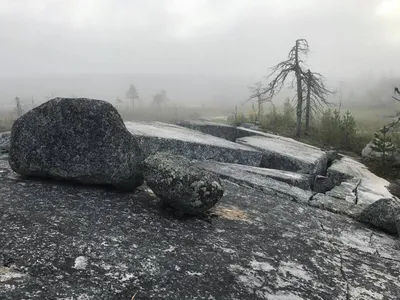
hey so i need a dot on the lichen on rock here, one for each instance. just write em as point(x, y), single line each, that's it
point(81, 140)
point(181, 184)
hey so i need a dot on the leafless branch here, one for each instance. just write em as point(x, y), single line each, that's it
point(395, 98)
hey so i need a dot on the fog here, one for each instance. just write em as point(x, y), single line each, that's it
point(199, 51)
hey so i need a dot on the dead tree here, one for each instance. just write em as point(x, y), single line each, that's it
point(396, 91)
point(316, 96)
point(18, 106)
point(291, 66)
point(132, 94)
point(258, 93)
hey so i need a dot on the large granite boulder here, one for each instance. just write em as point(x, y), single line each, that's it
point(180, 184)
point(284, 154)
point(79, 242)
point(5, 141)
point(155, 137)
point(82, 140)
point(212, 128)
point(382, 214)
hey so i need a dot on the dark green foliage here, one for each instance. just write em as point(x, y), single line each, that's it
point(348, 128)
point(382, 143)
point(236, 118)
point(336, 130)
point(280, 122)
point(288, 114)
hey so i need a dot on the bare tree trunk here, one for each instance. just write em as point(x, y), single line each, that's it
point(308, 101)
point(299, 91)
point(259, 108)
point(19, 109)
point(384, 147)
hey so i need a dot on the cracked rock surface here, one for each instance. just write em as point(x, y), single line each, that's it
point(60, 241)
point(261, 177)
point(358, 191)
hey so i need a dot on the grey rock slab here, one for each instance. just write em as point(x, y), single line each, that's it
point(285, 155)
point(5, 141)
point(345, 168)
point(181, 184)
point(212, 128)
point(81, 140)
point(90, 243)
point(382, 214)
point(246, 132)
point(157, 137)
point(254, 176)
point(347, 191)
point(336, 205)
point(370, 188)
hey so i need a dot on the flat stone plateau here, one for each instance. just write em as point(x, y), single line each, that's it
point(156, 137)
point(61, 241)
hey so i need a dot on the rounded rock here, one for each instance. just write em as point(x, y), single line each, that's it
point(81, 140)
point(181, 184)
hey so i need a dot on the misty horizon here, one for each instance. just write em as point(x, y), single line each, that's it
point(198, 51)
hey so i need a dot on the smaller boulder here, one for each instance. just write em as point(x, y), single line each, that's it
point(382, 214)
point(181, 184)
point(5, 141)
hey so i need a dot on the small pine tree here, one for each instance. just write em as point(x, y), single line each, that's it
point(329, 129)
point(348, 128)
point(253, 114)
point(18, 106)
point(132, 94)
point(383, 144)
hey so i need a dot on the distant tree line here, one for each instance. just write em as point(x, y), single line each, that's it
point(132, 95)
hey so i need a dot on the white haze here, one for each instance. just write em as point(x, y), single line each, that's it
point(199, 51)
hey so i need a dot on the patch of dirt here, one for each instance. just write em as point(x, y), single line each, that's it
point(233, 213)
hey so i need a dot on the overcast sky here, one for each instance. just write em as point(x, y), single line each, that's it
point(233, 37)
